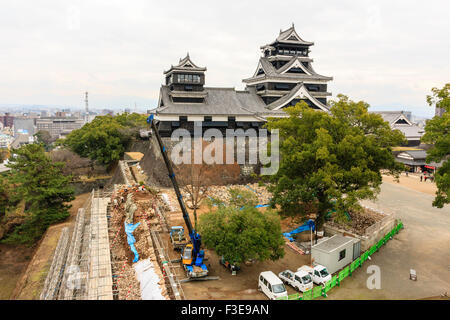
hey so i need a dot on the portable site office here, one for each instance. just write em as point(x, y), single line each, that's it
point(336, 252)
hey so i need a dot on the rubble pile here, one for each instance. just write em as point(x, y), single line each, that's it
point(126, 285)
point(222, 192)
point(359, 221)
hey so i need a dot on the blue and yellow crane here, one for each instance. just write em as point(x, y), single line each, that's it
point(192, 256)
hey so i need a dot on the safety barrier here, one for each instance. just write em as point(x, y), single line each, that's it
point(336, 280)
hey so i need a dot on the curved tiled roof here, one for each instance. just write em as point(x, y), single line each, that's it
point(218, 101)
point(183, 65)
point(291, 36)
point(271, 73)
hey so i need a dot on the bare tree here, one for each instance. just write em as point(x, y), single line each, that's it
point(196, 180)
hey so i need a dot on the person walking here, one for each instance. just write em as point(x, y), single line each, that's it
point(421, 178)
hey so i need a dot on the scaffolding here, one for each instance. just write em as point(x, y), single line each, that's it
point(84, 266)
point(55, 273)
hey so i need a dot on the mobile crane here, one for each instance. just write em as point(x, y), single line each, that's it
point(192, 257)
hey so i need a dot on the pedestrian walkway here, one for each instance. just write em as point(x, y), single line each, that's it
point(413, 182)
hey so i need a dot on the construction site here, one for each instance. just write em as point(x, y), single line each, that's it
point(121, 244)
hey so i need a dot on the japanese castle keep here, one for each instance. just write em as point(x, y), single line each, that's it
point(283, 77)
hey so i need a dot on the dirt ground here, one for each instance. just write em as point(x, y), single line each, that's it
point(13, 262)
point(23, 270)
point(242, 286)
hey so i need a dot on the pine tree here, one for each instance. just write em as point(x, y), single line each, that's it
point(44, 189)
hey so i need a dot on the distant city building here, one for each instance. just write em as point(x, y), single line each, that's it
point(24, 126)
point(401, 120)
point(59, 126)
point(60, 114)
point(7, 120)
point(21, 140)
point(5, 141)
point(284, 76)
point(77, 114)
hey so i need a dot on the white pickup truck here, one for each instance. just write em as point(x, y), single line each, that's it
point(319, 274)
point(300, 280)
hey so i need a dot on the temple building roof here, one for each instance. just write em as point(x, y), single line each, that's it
point(185, 64)
point(289, 36)
point(218, 101)
point(271, 73)
point(283, 77)
point(398, 120)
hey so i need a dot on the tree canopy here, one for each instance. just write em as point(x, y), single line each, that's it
point(106, 137)
point(437, 133)
point(242, 233)
point(44, 137)
point(331, 160)
point(39, 184)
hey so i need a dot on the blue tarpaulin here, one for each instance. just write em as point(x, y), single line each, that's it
point(308, 225)
point(129, 228)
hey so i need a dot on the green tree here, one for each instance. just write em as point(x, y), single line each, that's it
point(437, 133)
point(105, 138)
point(43, 188)
point(331, 160)
point(44, 137)
point(244, 233)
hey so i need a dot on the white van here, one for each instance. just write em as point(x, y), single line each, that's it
point(271, 285)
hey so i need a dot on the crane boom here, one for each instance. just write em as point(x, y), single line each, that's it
point(186, 218)
point(192, 257)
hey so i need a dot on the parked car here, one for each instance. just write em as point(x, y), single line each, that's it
point(271, 285)
point(300, 280)
point(319, 273)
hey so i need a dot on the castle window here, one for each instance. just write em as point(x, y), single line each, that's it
point(281, 86)
point(312, 88)
point(401, 121)
point(189, 78)
point(295, 70)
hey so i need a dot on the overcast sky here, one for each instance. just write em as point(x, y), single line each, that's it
point(387, 53)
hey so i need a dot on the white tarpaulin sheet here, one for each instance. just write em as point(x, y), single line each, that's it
point(148, 279)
